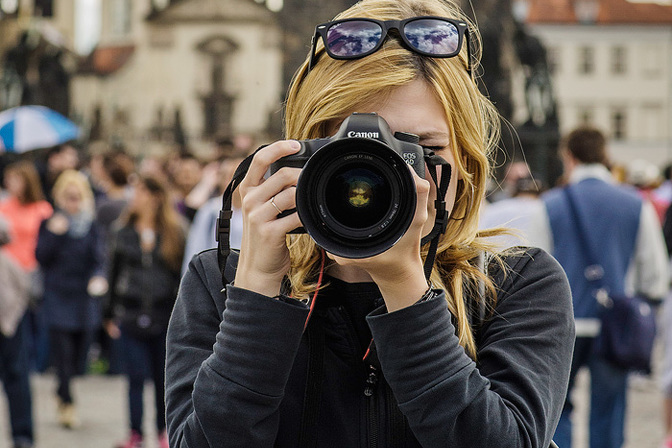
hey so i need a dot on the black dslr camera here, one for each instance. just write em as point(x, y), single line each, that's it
point(356, 196)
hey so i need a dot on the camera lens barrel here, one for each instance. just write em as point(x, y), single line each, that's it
point(356, 197)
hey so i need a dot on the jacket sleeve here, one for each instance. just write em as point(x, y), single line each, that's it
point(513, 395)
point(226, 369)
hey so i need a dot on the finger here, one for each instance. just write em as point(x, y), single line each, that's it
point(423, 188)
point(283, 201)
point(260, 196)
point(263, 159)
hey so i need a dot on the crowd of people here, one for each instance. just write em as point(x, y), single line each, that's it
point(92, 251)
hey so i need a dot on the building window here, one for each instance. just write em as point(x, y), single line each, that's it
point(553, 60)
point(652, 60)
point(618, 60)
point(44, 8)
point(618, 124)
point(585, 116)
point(652, 125)
point(121, 17)
point(586, 60)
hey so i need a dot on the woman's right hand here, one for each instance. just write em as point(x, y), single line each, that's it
point(58, 224)
point(112, 329)
point(264, 256)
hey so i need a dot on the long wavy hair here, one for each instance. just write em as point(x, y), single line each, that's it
point(167, 222)
point(32, 189)
point(334, 89)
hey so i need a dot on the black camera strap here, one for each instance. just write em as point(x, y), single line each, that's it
point(432, 160)
point(441, 219)
point(223, 227)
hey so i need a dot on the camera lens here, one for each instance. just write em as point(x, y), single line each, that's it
point(360, 196)
point(356, 197)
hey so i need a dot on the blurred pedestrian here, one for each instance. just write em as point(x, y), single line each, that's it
point(664, 190)
point(645, 177)
point(185, 172)
point(112, 176)
point(625, 229)
point(146, 253)
point(524, 214)
point(505, 190)
point(25, 208)
point(70, 252)
point(203, 228)
point(14, 334)
point(57, 159)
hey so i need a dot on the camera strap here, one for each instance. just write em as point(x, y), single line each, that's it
point(223, 227)
point(441, 219)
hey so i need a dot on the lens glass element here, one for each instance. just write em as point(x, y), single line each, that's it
point(353, 38)
point(433, 36)
point(358, 196)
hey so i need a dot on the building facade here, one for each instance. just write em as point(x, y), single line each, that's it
point(611, 65)
point(208, 67)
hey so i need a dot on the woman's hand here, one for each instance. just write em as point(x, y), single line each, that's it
point(264, 257)
point(58, 224)
point(97, 286)
point(399, 271)
point(112, 329)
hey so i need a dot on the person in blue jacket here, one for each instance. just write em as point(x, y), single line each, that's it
point(70, 251)
point(299, 347)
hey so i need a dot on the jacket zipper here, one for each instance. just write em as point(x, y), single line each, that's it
point(372, 399)
point(372, 405)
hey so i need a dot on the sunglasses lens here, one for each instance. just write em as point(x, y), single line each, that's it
point(353, 38)
point(432, 36)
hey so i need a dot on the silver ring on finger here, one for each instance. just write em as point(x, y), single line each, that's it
point(275, 206)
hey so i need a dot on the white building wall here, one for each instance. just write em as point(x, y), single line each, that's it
point(643, 92)
point(167, 71)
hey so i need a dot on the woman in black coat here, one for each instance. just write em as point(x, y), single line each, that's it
point(146, 256)
point(70, 253)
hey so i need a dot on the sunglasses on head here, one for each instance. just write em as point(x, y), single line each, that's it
point(431, 36)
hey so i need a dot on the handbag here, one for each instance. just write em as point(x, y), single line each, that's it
point(628, 329)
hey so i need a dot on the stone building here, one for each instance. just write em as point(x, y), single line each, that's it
point(197, 68)
point(611, 64)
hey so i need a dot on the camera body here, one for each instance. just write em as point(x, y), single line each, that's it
point(362, 126)
point(356, 195)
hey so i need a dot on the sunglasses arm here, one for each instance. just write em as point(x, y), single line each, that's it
point(313, 54)
point(469, 70)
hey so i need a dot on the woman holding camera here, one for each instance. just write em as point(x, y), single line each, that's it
point(306, 348)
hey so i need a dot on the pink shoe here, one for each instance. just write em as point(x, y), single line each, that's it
point(134, 441)
point(163, 440)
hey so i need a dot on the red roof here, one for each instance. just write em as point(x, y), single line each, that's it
point(609, 12)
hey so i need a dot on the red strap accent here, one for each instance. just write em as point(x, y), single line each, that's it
point(319, 283)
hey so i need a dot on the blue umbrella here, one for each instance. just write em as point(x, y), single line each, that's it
point(25, 128)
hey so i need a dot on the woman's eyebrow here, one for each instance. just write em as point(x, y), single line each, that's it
point(432, 135)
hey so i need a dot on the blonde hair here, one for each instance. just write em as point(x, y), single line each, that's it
point(77, 179)
point(333, 89)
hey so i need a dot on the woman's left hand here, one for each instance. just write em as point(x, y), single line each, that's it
point(399, 271)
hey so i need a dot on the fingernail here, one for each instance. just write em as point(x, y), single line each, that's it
point(294, 144)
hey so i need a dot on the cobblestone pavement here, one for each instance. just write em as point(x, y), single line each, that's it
point(103, 414)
